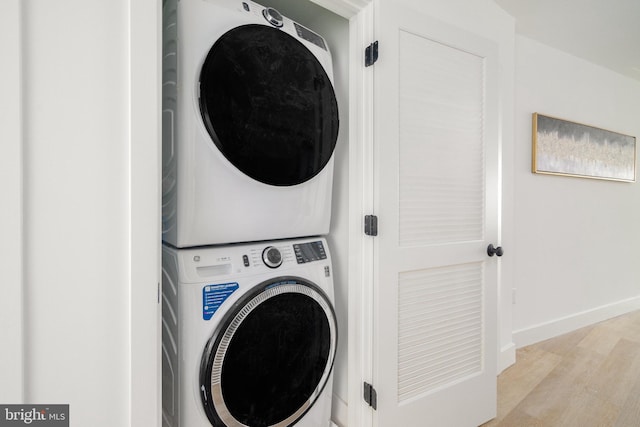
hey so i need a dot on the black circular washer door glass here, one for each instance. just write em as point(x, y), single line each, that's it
point(275, 361)
point(268, 105)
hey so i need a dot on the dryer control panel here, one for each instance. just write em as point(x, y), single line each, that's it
point(309, 36)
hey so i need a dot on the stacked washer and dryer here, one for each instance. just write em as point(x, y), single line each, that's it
point(250, 123)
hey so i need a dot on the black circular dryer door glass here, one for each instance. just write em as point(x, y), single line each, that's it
point(268, 105)
point(270, 359)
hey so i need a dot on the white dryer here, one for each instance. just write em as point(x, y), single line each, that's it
point(249, 335)
point(250, 123)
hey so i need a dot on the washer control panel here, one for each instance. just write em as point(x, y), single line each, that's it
point(308, 252)
point(282, 254)
point(222, 264)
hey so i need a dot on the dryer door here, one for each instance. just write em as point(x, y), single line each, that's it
point(271, 356)
point(268, 105)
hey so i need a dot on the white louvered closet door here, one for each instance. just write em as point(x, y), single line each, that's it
point(436, 197)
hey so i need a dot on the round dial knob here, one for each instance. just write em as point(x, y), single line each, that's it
point(272, 257)
point(273, 16)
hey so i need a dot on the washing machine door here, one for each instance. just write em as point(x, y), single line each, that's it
point(268, 105)
point(270, 358)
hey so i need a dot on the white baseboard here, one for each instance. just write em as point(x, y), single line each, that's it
point(507, 357)
point(553, 328)
point(339, 412)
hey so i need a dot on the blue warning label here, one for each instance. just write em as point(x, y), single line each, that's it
point(213, 296)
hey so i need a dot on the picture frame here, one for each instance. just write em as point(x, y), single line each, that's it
point(566, 148)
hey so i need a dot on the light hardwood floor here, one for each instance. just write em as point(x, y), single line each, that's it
point(586, 378)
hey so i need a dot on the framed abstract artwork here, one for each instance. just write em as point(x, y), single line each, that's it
point(561, 147)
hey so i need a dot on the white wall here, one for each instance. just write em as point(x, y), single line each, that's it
point(11, 319)
point(84, 203)
point(76, 249)
point(577, 240)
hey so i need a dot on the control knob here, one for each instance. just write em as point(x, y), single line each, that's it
point(272, 257)
point(273, 16)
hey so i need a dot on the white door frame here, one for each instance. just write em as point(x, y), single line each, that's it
point(11, 188)
point(145, 160)
point(361, 190)
point(361, 175)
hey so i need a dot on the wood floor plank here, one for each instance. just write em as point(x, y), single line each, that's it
point(564, 343)
point(518, 381)
point(617, 376)
point(548, 400)
point(601, 338)
point(587, 378)
point(630, 411)
point(586, 410)
point(520, 419)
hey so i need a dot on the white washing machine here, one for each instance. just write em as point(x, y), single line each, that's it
point(249, 335)
point(250, 123)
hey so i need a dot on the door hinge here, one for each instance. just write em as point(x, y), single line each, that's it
point(370, 395)
point(371, 54)
point(371, 225)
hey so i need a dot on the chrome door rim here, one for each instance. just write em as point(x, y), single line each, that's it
point(218, 352)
